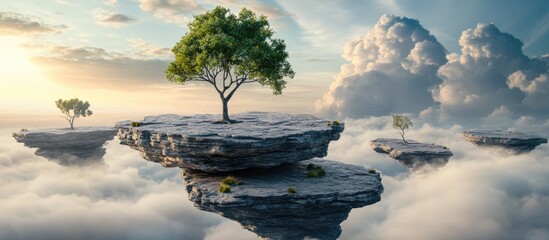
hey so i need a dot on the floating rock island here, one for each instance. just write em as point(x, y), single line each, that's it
point(414, 155)
point(81, 146)
point(278, 187)
point(259, 140)
point(262, 203)
point(511, 141)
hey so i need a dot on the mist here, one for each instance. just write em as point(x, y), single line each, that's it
point(479, 194)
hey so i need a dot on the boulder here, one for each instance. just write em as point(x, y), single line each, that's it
point(81, 146)
point(263, 204)
point(510, 141)
point(257, 140)
point(414, 155)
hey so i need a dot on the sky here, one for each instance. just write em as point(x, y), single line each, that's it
point(449, 65)
point(113, 53)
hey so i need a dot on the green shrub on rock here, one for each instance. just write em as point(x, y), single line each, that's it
point(224, 188)
point(314, 171)
point(291, 190)
point(229, 180)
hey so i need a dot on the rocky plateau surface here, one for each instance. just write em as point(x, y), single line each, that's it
point(414, 155)
point(263, 204)
point(511, 141)
point(258, 140)
point(81, 146)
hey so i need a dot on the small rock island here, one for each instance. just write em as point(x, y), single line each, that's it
point(80, 146)
point(259, 140)
point(260, 201)
point(510, 141)
point(413, 154)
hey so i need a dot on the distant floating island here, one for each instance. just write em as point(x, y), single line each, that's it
point(287, 202)
point(78, 147)
point(413, 154)
point(510, 141)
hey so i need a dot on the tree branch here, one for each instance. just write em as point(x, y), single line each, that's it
point(251, 81)
point(213, 76)
point(235, 88)
point(232, 81)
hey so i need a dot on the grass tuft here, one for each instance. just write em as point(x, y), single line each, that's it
point(291, 190)
point(229, 180)
point(224, 188)
point(314, 171)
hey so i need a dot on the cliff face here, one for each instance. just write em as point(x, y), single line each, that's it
point(81, 146)
point(259, 140)
point(262, 203)
point(509, 141)
point(270, 158)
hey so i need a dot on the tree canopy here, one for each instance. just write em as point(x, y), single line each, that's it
point(401, 123)
point(227, 50)
point(73, 108)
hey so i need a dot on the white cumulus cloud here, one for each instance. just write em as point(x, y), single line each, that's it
point(492, 74)
point(391, 69)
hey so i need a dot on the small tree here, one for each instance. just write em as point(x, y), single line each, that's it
point(401, 123)
point(227, 51)
point(73, 108)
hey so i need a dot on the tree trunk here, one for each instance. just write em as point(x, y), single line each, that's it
point(225, 110)
point(404, 140)
point(72, 124)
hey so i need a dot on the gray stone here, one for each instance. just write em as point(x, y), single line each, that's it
point(263, 205)
point(81, 146)
point(258, 140)
point(509, 141)
point(414, 155)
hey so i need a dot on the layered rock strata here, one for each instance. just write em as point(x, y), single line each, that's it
point(511, 141)
point(263, 204)
point(258, 140)
point(413, 154)
point(81, 146)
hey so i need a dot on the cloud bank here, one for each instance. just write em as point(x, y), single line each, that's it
point(400, 67)
point(479, 194)
point(492, 76)
point(391, 69)
point(12, 23)
point(92, 67)
point(128, 199)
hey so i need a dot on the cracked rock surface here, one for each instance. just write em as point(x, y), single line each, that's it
point(511, 141)
point(258, 140)
point(263, 205)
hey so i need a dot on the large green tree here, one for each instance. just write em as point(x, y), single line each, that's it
point(226, 51)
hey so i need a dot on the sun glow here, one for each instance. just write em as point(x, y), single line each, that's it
point(23, 88)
